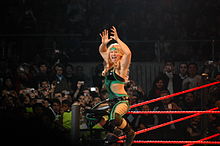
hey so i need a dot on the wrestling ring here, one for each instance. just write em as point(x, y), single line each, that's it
point(193, 114)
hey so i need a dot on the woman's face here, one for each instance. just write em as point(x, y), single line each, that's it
point(159, 84)
point(145, 108)
point(189, 98)
point(115, 55)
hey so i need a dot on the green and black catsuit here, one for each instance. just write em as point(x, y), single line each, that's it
point(117, 99)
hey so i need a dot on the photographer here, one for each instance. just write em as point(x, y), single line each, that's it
point(59, 79)
point(80, 85)
point(66, 95)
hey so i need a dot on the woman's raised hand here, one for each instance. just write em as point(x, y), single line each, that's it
point(104, 36)
point(114, 34)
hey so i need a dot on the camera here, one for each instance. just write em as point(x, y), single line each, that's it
point(92, 89)
point(210, 62)
point(21, 68)
point(56, 51)
point(134, 88)
point(81, 82)
point(66, 92)
point(30, 90)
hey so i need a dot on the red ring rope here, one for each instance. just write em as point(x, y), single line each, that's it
point(173, 142)
point(173, 112)
point(168, 123)
point(206, 138)
point(196, 113)
point(174, 94)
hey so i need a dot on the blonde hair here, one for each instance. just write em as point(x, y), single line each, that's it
point(109, 64)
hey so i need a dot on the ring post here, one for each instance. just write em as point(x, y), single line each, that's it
point(75, 131)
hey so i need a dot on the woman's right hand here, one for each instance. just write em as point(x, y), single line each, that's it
point(104, 36)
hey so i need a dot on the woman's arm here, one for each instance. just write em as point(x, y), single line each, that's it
point(103, 46)
point(124, 47)
point(103, 51)
point(126, 58)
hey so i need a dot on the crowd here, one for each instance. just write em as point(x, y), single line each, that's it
point(78, 21)
point(36, 97)
point(159, 19)
point(46, 93)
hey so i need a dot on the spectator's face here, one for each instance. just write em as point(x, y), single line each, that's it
point(56, 107)
point(69, 70)
point(183, 68)
point(159, 84)
point(217, 104)
point(9, 101)
point(45, 93)
point(192, 69)
point(195, 120)
point(96, 100)
point(8, 83)
point(66, 97)
point(86, 93)
point(44, 84)
point(38, 110)
point(59, 70)
point(87, 99)
point(45, 103)
point(217, 78)
point(105, 96)
point(169, 67)
point(26, 100)
point(79, 70)
point(57, 95)
point(145, 108)
point(32, 94)
point(65, 107)
point(133, 99)
point(82, 100)
point(130, 91)
point(43, 68)
point(189, 98)
point(166, 101)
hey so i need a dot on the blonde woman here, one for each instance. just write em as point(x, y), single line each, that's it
point(117, 57)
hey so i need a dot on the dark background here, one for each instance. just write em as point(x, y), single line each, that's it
point(177, 29)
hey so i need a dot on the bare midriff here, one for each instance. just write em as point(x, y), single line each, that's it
point(118, 88)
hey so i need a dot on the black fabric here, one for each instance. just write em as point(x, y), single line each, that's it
point(130, 135)
point(118, 119)
point(112, 76)
point(110, 139)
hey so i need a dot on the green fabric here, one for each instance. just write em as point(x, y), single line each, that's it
point(112, 114)
point(97, 126)
point(113, 95)
point(109, 83)
point(67, 118)
point(29, 109)
point(112, 49)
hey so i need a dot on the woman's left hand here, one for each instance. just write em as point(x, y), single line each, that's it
point(114, 33)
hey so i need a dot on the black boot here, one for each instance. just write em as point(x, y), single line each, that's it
point(110, 139)
point(130, 135)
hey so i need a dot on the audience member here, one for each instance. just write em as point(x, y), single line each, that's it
point(70, 76)
point(42, 75)
point(172, 81)
point(158, 86)
point(193, 79)
point(59, 79)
